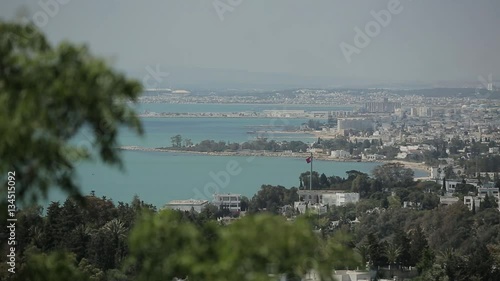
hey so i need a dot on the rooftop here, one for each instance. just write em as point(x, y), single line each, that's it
point(187, 202)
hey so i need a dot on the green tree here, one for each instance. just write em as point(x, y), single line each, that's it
point(361, 185)
point(48, 96)
point(306, 178)
point(252, 248)
point(94, 273)
point(418, 244)
point(426, 262)
point(403, 242)
point(488, 202)
point(393, 174)
point(394, 202)
point(452, 263)
point(57, 266)
point(375, 251)
point(53, 233)
point(187, 142)
point(323, 181)
point(176, 141)
point(29, 227)
point(449, 173)
point(271, 198)
point(392, 252)
point(101, 252)
point(117, 232)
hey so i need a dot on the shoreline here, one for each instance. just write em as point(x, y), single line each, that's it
point(298, 155)
point(333, 105)
point(228, 115)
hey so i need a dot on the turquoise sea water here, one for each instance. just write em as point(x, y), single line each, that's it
point(159, 177)
point(158, 131)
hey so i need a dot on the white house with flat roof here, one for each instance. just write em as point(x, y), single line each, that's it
point(488, 190)
point(186, 205)
point(327, 197)
point(340, 154)
point(451, 185)
point(340, 198)
point(472, 202)
point(229, 201)
point(448, 200)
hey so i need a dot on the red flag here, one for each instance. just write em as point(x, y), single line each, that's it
point(309, 159)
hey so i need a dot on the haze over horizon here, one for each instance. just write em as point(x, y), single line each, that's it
point(283, 43)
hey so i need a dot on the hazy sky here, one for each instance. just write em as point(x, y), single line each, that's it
point(426, 41)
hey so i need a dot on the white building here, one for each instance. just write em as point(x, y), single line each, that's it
point(186, 205)
point(228, 201)
point(448, 200)
point(339, 198)
point(303, 207)
point(421, 111)
point(437, 173)
point(401, 155)
point(372, 157)
point(310, 196)
point(343, 275)
point(354, 275)
point(340, 154)
point(452, 185)
point(491, 191)
point(284, 113)
point(316, 196)
point(300, 206)
point(318, 208)
point(493, 150)
point(472, 202)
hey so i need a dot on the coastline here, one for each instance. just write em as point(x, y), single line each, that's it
point(298, 155)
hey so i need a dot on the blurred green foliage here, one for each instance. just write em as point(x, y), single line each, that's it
point(48, 94)
point(259, 247)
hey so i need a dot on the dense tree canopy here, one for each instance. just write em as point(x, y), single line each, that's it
point(393, 174)
point(253, 248)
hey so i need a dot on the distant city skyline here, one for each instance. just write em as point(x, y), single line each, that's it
point(280, 44)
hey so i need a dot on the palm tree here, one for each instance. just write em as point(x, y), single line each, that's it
point(445, 256)
point(450, 261)
point(118, 232)
point(116, 228)
point(81, 235)
point(392, 253)
point(37, 235)
point(83, 230)
point(362, 250)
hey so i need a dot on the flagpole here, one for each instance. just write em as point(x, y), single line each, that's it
point(311, 175)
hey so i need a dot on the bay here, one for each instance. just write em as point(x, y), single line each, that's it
point(158, 177)
point(158, 131)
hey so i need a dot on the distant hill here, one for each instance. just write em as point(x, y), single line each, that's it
point(452, 92)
